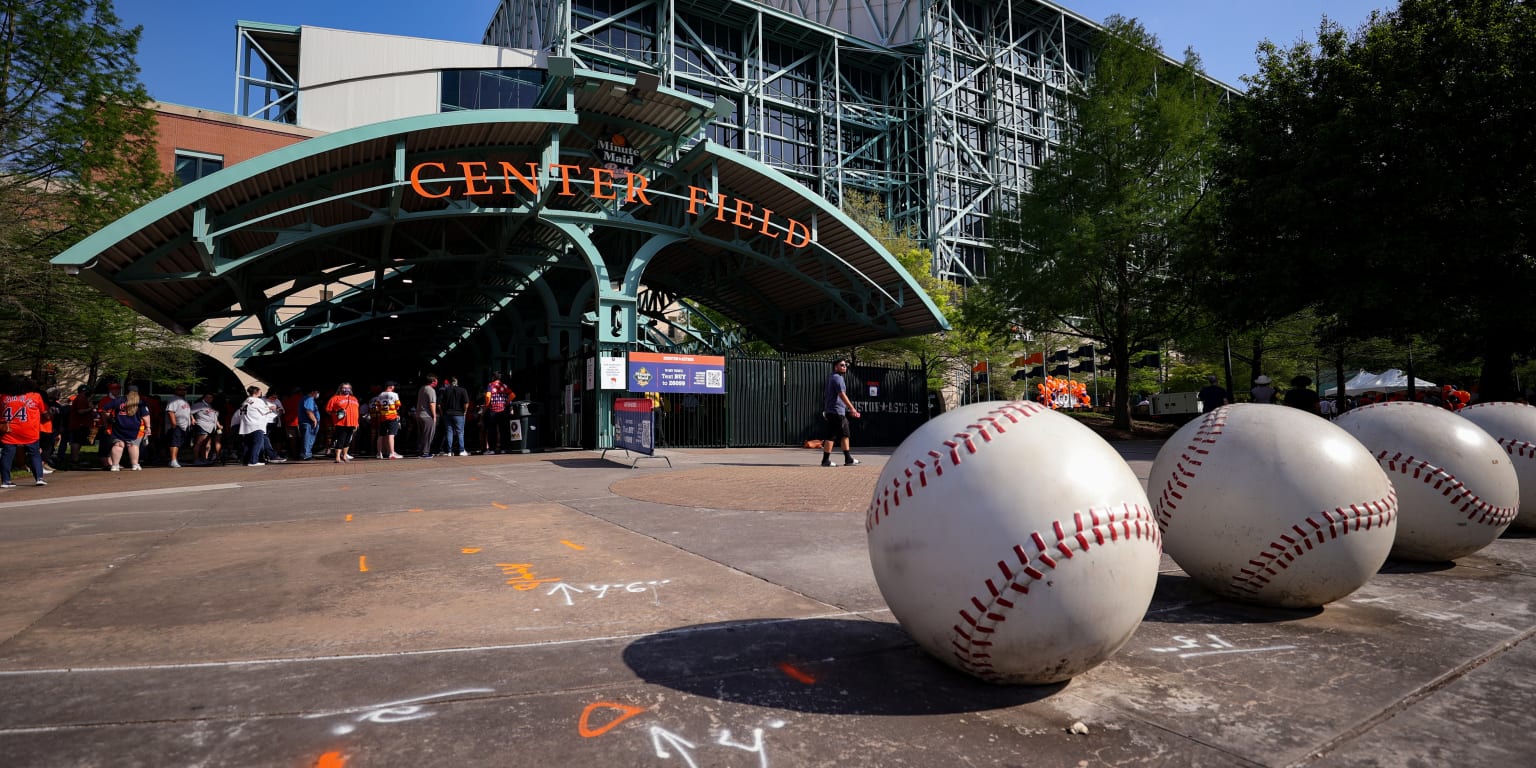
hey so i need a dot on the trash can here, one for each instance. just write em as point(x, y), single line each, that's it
point(528, 427)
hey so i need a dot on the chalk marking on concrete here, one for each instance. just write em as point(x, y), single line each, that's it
point(409, 654)
point(122, 495)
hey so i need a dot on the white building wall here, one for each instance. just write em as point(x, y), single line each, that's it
point(347, 79)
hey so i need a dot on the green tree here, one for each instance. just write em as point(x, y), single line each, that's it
point(77, 150)
point(1386, 180)
point(935, 353)
point(1103, 242)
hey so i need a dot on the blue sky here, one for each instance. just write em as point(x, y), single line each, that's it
point(188, 50)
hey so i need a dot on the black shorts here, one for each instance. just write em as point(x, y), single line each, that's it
point(837, 425)
point(389, 427)
point(341, 437)
point(176, 437)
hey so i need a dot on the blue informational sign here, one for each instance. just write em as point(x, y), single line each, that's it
point(666, 372)
point(633, 425)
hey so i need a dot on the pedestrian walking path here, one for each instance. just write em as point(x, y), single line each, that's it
point(561, 609)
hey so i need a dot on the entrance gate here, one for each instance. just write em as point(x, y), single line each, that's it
point(773, 402)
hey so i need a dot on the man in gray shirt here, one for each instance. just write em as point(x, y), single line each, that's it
point(426, 416)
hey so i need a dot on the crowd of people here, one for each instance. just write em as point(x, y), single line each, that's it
point(131, 429)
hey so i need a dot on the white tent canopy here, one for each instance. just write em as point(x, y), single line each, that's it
point(1390, 380)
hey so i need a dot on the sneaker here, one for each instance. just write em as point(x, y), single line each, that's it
point(174, 464)
point(7, 485)
point(826, 463)
point(396, 456)
point(257, 464)
point(278, 460)
point(136, 468)
point(852, 462)
point(378, 456)
point(114, 468)
point(47, 471)
point(462, 453)
point(41, 482)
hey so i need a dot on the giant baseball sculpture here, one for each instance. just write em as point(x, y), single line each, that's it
point(1013, 543)
point(1513, 426)
point(1456, 490)
point(1272, 505)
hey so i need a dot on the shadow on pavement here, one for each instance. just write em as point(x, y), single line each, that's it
point(820, 666)
point(1180, 599)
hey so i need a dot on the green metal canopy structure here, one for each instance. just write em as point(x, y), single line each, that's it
point(504, 239)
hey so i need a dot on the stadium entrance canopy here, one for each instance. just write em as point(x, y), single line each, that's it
point(503, 239)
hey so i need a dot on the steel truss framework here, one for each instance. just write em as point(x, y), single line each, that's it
point(941, 107)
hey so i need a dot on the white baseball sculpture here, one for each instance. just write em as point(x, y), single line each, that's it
point(1272, 505)
point(1513, 426)
point(1456, 490)
point(1013, 543)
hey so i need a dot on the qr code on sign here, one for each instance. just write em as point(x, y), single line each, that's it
point(714, 379)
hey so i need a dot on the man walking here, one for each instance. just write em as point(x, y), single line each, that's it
point(498, 420)
point(255, 413)
point(836, 409)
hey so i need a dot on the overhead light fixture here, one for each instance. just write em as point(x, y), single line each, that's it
point(386, 338)
point(393, 317)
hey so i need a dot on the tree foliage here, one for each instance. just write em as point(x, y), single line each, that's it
point(1386, 181)
point(935, 353)
point(77, 151)
point(1103, 242)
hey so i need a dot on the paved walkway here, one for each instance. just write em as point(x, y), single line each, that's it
point(562, 609)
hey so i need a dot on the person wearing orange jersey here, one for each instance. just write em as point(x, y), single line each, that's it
point(341, 409)
point(21, 411)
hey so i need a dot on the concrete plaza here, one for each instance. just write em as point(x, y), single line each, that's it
point(564, 609)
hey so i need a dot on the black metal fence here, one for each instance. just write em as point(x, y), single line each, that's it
point(778, 401)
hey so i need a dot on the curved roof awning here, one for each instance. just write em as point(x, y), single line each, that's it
point(497, 231)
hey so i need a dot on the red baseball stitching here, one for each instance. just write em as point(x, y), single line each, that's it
point(987, 610)
point(1284, 550)
point(1525, 449)
point(1193, 456)
point(1438, 478)
point(955, 448)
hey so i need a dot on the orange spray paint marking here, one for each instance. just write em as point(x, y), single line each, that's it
point(474, 478)
point(331, 760)
point(346, 487)
point(415, 510)
point(499, 505)
point(576, 547)
point(625, 713)
point(797, 673)
point(362, 563)
point(470, 550)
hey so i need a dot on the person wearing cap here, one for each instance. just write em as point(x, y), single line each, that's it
point(125, 424)
point(309, 423)
point(1262, 392)
point(836, 409)
point(386, 405)
point(1213, 395)
point(178, 421)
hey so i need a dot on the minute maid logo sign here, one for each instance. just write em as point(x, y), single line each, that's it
point(642, 377)
point(615, 153)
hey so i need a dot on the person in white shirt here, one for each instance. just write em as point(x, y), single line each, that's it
point(178, 420)
point(253, 416)
point(205, 425)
